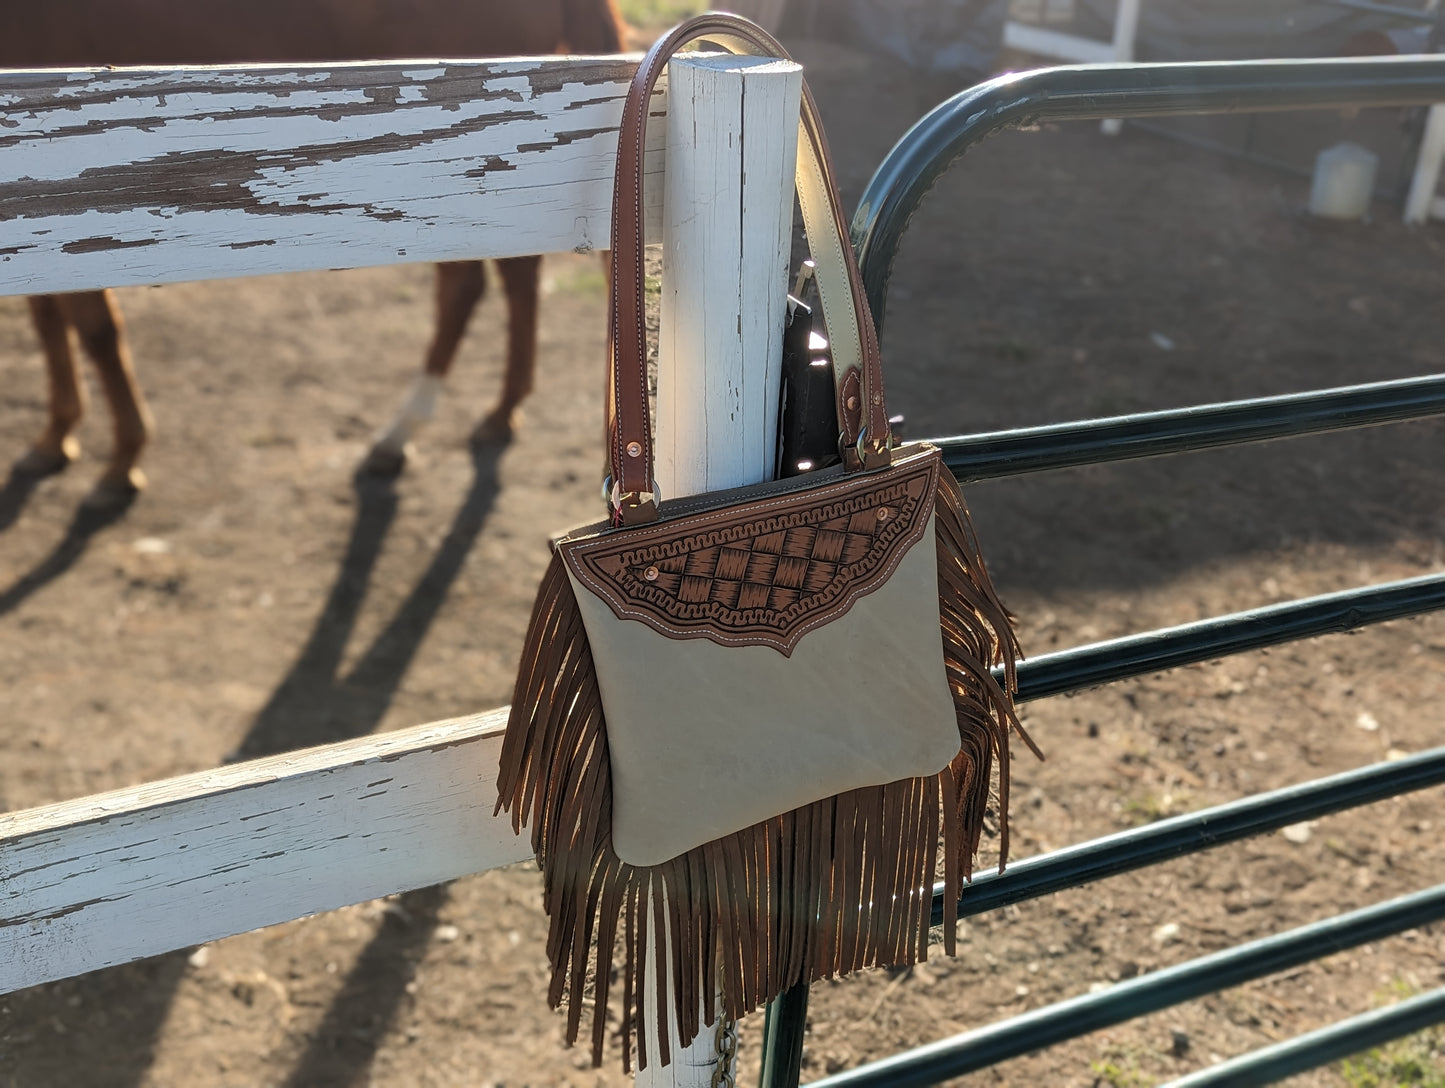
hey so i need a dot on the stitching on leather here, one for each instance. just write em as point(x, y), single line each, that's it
point(868, 340)
point(759, 625)
point(645, 459)
point(621, 469)
point(706, 502)
point(785, 646)
point(825, 243)
point(670, 526)
point(852, 386)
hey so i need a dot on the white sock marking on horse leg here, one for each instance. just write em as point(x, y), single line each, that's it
point(420, 405)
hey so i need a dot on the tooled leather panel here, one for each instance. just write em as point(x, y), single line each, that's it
point(763, 572)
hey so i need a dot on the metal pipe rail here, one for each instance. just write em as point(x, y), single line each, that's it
point(1315, 1048)
point(1125, 852)
point(973, 1050)
point(1219, 636)
point(1092, 92)
point(1194, 832)
point(1178, 836)
point(996, 454)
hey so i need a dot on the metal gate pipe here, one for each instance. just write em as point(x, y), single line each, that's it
point(1189, 643)
point(1193, 832)
point(1015, 452)
point(973, 1050)
point(784, 1024)
point(1136, 655)
point(1124, 852)
point(1092, 92)
point(1313, 1049)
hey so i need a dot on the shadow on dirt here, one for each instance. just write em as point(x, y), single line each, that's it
point(313, 705)
point(343, 1045)
point(17, 492)
point(85, 524)
point(127, 1007)
point(122, 1010)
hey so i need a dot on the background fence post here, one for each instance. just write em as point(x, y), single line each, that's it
point(1126, 29)
point(1420, 203)
point(728, 206)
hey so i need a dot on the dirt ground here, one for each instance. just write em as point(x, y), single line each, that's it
point(256, 600)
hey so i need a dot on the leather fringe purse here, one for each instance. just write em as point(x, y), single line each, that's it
point(745, 717)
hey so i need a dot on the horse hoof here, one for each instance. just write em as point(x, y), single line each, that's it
point(113, 492)
point(384, 461)
point(39, 461)
point(497, 429)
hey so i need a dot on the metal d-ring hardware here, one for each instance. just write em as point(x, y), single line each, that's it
point(862, 441)
point(612, 493)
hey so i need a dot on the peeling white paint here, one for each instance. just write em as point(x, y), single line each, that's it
point(123, 177)
point(113, 878)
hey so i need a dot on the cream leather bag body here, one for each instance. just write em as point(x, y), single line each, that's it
point(749, 715)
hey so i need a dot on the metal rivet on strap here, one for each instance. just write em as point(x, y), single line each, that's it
point(650, 574)
point(884, 513)
point(851, 404)
point(634, 449)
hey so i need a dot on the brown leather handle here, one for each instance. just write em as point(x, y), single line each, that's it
point(864, 426)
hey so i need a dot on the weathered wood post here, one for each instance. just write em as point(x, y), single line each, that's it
point(732, 140)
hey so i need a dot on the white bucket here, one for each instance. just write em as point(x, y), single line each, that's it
point(1344, 181)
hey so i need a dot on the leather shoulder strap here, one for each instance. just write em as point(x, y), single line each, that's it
point(845, 306)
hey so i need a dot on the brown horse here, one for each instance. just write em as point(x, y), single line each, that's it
point(85, 33)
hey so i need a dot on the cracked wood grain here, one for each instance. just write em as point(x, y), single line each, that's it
point(115, 877)
point(131, 176)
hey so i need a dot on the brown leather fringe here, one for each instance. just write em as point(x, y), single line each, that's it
point(977, 633)
point(841, 884)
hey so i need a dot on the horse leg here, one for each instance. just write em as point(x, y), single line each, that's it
point(520, 276)
point(96, 318)
point(459, 287)
point(57, 446)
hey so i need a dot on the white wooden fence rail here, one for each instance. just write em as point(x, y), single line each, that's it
point(119, 177)
point(115, 877)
